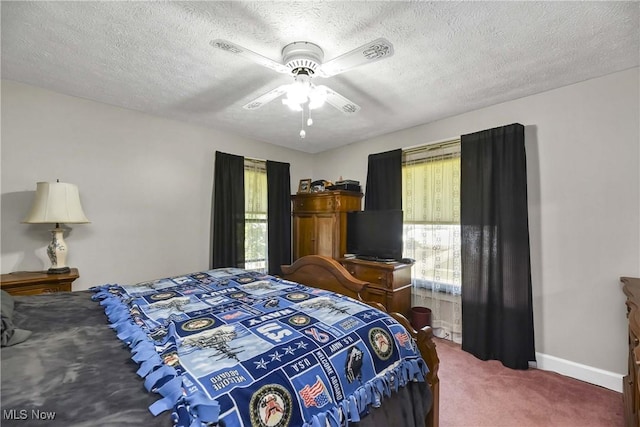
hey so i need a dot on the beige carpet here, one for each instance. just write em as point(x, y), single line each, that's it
point(475, 393)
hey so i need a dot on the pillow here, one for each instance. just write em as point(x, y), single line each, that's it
point(10, 335)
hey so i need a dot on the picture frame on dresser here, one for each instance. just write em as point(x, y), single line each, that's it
point(304, 186)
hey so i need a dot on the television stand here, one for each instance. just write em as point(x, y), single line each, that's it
point(390, 282)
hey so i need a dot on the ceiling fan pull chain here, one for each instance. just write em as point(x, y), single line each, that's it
point(302, 132)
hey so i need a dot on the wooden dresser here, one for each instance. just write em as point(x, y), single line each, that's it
point(631, 382)
point(37, 282)
point(390, 283)
point(320, 222)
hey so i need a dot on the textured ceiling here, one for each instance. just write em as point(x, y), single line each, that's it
point(450, 57)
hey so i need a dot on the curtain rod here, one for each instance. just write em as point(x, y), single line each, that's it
point(431, 147)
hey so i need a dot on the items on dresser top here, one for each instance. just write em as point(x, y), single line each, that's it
point(347, 185)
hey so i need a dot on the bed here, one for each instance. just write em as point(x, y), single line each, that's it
point(77, 370)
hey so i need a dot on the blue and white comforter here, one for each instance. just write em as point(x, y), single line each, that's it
point(250, 349)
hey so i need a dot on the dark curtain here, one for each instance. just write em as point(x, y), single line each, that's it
point(384, 181)
point(228, 211)
point(497, 320)
point(278, 215)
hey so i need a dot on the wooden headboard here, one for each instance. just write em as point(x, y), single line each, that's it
point(324, 273)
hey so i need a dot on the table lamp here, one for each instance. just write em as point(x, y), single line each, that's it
point(55, 203)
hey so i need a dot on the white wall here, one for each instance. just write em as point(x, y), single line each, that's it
point(146, 184)
point(583, 154)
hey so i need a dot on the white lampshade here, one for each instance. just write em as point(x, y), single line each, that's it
point(56, 202)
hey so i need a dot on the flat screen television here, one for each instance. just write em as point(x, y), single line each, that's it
point(375, 235)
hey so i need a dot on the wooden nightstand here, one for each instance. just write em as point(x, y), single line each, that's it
point(37, 282)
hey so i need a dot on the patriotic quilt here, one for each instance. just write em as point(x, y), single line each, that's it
point(236, 347)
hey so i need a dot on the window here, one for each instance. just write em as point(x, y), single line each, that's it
point(431, 206)
point(255, 215)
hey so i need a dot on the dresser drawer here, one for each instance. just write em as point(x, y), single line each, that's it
point(38, 289)
point(313, 204)
point(375, 276)
point(327, 201)
point(381, 275)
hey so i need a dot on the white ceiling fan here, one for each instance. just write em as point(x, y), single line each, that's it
point(304, 60)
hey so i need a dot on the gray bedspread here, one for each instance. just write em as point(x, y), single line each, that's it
point(72, 366)
point(74, 372)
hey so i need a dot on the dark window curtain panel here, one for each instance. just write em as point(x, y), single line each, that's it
point(228, 211)
point(497, 315)
point(384, 181)
point(278, 215)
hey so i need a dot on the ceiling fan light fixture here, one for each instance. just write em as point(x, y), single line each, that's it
point(298, 91)
point(292, 105)
point(317, 97)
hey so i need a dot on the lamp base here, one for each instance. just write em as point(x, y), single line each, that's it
point(60, 270)
point(57, 251)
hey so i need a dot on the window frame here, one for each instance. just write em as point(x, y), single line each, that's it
point(251, 217)
point(416, 156)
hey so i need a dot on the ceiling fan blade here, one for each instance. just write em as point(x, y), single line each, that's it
point(371, 52)
point(250, 55)
point(340, 102)
point(266, 98)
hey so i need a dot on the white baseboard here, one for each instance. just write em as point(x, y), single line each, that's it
point(589, 374)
